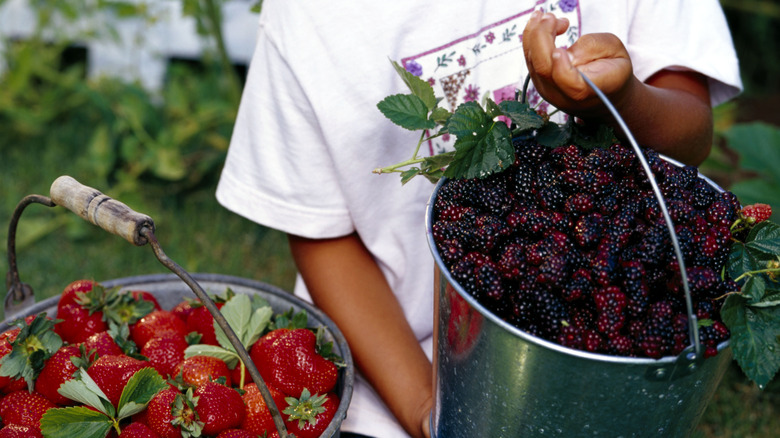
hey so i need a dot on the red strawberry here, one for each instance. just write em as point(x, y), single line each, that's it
point(219, 407)
point(309, 416)
point(196, 370)
point(103, 344)
point(288, 360)
point(165, 352)
point(57, 370)
point(139, 430)
point(756, 213)
point(111, 374)
point(169, 412)
point(182, 309)
point(78, 324)
point(147, 296)
point(236, 433)
point(74, 292)
point(155, 323)
point(31, 347)
point(258, 419)
point(19, 431)
point(202, 321)
point(24, 408)
point(9, 384)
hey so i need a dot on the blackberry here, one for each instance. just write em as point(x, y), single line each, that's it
point(530, 153)
point(552, 197)
point(555, 270)
point(578, 287)
point(488, 282)
point(512, 261)
point(588, 230)
point(579, 203)
point(523, 179)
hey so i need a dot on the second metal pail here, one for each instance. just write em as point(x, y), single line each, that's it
point(494, 380)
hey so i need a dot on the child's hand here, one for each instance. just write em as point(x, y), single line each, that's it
point(601, 57)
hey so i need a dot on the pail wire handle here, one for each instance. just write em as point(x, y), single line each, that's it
point(117, 218)
point(693, 326)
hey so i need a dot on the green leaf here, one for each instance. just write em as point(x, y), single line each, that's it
point(741, 260)
point(86, 391)
point(229, 356)
point(770, 298)
point(140, 389)
point(440, 115)
point(407, 111)
point(553, 135)
point(764, 239)
point(247, 321)
point(522, 115)
point(754, 338)
point(408, 174)
point(420, 88)
point(75, 421)
point(483, 146)
point(753, 289)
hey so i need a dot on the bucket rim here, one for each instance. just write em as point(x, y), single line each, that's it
point(441, 267)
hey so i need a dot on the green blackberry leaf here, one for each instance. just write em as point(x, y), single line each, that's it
point(753, 289)
point(408, 174)
point(492, 109)
point(140, 389)
point(553, 135)
point(741, 260)
point(755, 338)
point(76, 421)
point(764, 240)
point(407, 111)
point(420, 88)
point(522, 115)
point(771, 298)
point(483, 146)
point(588, 138)
point(440, 115)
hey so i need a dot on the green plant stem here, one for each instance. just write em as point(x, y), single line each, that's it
point(757, 272)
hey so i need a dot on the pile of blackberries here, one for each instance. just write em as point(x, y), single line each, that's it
point(570, 245)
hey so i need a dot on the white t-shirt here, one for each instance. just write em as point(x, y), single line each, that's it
point(309, 134)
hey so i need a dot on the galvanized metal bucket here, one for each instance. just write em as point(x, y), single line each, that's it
point(169, 289)
point(494, 380)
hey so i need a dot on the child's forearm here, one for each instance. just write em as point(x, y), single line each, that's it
point(346, 283)
point(670, 113)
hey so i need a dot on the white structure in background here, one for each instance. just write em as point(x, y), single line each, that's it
point(144, 46)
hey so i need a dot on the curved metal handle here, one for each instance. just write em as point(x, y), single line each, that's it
point(693, 325)
point(101, 210)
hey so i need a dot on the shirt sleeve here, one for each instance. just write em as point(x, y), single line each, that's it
point(686, 35)
point(278, 172)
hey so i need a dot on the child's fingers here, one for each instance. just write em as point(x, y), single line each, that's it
point(539, 41)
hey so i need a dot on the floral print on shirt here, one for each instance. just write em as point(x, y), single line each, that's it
point(488, 62)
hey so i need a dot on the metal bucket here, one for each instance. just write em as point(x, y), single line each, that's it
point(169, 289)
point(494, 380)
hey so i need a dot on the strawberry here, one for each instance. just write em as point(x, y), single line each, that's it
point(219, 407)
point(24, 408)
point(80, 311)
point(236, 433)
point(202, 321)
point(170, 414)
point(19, 431)
point(196, 370)
point(34, 343)
point(288, 360)
point(756, 213)
point(182, 309)
point(310, 415)
point(258, 419)
point(155, 323)
point(58, 369)
point(112, 372)
point(103, 344)
point(165, 352)
point(139, 430)
point(146, 296)
point(8, 383)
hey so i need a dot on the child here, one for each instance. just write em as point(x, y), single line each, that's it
point(308, 135)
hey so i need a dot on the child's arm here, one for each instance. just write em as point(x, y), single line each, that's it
point(670, 112)
point(346, 283)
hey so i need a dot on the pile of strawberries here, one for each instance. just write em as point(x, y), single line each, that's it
point(116, 364)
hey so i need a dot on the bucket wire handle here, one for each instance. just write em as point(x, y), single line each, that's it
point(693, 326)
point(117, 218)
